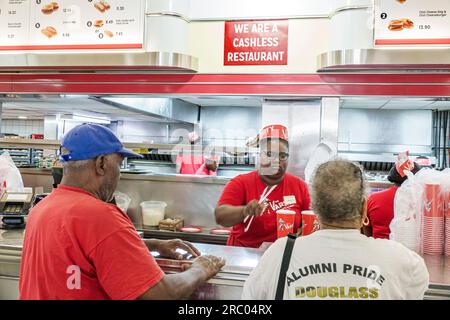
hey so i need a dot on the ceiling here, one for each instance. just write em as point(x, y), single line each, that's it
point(37, 107)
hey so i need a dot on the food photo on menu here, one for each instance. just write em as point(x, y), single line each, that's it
point(225, 156)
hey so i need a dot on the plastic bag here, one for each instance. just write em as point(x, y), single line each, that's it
point(419, 212)
point(122, 200)
point(405, 226)
point(10, 178)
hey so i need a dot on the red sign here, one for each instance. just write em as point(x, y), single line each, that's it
point(261, 42)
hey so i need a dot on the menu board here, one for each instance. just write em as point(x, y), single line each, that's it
point(412, 22)
point(71, 24)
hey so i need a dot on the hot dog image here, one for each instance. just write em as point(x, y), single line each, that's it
point(407, 24)
point(49, 32)
point(108, 33)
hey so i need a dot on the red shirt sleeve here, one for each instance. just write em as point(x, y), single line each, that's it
point(370, 210)
point(233, 193)
point(125, 268)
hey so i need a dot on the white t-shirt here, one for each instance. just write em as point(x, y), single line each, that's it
point(340, 264)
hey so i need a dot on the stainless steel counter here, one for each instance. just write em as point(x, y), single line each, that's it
point(226, 285)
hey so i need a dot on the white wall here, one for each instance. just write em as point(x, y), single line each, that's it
point(22, 127)
point(203, 36)
point(307, 39)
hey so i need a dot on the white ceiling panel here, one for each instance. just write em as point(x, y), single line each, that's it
point(413, 104)
point(438, 105)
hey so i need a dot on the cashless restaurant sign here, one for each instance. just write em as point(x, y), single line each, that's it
point(256, 42)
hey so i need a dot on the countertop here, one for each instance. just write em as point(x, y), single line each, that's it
point(240, 262)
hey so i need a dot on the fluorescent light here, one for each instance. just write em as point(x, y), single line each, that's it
point(91, 119)
point(22, 117)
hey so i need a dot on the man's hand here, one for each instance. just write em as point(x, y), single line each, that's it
point(253, 208)
point(167, 249)
point(208, 265)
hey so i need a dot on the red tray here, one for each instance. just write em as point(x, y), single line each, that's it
point(220, 231)
point(191, 229)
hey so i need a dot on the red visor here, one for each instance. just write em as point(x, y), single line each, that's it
point(274, 131)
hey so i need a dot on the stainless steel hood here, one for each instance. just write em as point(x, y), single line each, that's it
point(148, 61)
point(385, 59)
point(167, 109)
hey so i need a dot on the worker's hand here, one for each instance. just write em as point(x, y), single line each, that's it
point(253, 208)
point(168, 249)
point(209, 265)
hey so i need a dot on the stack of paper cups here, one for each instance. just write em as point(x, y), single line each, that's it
point(447, 223)
point(433, 221)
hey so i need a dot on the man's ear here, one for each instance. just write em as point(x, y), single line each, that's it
point(100, 164)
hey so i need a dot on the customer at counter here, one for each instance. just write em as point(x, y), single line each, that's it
point(380, 205)
point(337, 261)
point(78, 246)
point(249, 201)
point(189, 163)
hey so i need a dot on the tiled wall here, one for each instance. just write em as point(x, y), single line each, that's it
point(22, 127)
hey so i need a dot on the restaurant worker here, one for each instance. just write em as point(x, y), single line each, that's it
point(78, 246)
point(337, 261)
point(189, 163)
point(380, 205)
point(249, 201)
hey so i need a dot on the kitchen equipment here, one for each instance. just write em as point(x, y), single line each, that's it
point(57, 173)
point(14, 207)
point(152, 212)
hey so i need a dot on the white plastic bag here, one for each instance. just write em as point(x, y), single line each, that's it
point(122, 200)
point(10, 178)
point(405, 226)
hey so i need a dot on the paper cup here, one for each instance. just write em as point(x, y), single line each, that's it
point(310, 223)
point(285, 222)
point(433, 201)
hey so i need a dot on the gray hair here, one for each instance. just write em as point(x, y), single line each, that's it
point(338, 190)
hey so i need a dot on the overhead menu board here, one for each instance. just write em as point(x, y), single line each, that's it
point(412, 22)
point(71, 24)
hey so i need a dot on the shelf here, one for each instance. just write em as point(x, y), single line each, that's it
point(55, 144)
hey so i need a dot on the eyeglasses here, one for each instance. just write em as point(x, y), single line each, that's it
point(272, 155)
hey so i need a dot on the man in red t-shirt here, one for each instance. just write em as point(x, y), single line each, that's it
point(78, 246)
point(240, 197)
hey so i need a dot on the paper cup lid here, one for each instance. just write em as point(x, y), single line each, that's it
point(308, 212)
point(284, 211)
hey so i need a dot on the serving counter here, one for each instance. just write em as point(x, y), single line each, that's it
point(189, 197)
point(225, 285)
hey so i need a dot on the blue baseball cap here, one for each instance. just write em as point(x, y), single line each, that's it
point(88, 141)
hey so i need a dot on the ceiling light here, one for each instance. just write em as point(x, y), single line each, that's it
point(91, 119)
point(22, 117)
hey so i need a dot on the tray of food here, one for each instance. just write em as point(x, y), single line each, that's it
point(170, 224)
